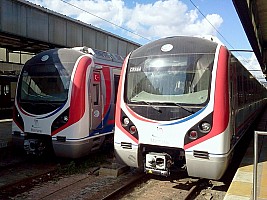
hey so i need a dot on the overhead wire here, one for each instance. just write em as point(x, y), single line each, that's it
point(64, 1)
point(233, 49)
point(244, 59)
point(211, 24)
point(216, 29)
point(134, 33)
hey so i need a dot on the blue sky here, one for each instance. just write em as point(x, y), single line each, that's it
point(154, 19)
point(231, 28)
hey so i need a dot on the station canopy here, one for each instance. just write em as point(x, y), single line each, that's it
point(253, 16)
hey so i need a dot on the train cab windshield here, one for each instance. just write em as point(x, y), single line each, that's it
point(45, 79)
point(48, 83)
point(169, 79)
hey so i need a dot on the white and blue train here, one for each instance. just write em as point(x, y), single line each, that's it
point(65, 101)
point(184, 102)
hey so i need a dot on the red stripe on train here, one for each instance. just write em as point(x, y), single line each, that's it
point(77, 102)
point(221, 100)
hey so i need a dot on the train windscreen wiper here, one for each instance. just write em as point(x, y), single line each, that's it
point(180, 106)
point(152, 106)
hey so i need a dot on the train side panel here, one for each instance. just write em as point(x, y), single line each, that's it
point(97, 123)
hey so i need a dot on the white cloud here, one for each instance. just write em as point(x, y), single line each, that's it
point(153, 21)
point(203, 26)
point(172, 17)
point(88, 11)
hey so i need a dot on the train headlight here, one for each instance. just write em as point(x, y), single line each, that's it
point(65, 118)
point(193, 134)
point(17, 117)
point(205, 127)
point(133, 129)
point(128, 125)
point(60, 120)
point(125, 121)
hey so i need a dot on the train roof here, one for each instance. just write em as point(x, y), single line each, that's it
point(176, 45)
point(100, 54)
point(212, 38)
point(70, 54)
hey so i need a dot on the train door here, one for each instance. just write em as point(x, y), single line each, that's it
point(233, 97)
point(96, 102)
point(116, 78)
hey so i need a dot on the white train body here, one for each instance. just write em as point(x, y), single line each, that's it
point(196, 128)
point(65, 100)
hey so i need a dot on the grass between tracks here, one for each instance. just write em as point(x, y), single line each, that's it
point(82, 165)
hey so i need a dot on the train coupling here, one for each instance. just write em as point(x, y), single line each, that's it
point(158, 163)
point(34, 146)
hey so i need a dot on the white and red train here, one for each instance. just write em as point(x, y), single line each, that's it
point(65, 99)
point(183, 102)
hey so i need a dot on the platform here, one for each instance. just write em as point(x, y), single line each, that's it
point(241, 187)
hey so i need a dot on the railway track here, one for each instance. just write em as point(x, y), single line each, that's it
point(139, 179)
point(20, 173)
point(129, 186)
point(149, 188)
point(183, 187)
point(48, 183)
point(89, 184)
point(132, 185)
point(20, 176)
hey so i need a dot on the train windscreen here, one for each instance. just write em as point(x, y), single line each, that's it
point(48, 83)
point(173, 78)
point(44, 80)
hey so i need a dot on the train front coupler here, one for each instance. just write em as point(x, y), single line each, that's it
point(158, 163)
point(34, 146)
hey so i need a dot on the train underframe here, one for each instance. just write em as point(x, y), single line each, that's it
point(33, 144)
point(36, 144)
point(164, 161)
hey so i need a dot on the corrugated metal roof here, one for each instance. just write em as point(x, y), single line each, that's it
point(261, 13)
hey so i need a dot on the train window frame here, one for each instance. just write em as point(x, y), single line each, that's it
point(139, 66)
point(116, 79)
point(6, 89)
point(96, 94)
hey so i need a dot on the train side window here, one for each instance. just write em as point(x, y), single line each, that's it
point(96, 93)
point(6, 89)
